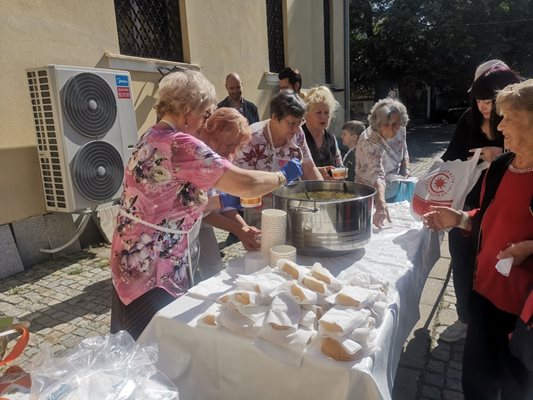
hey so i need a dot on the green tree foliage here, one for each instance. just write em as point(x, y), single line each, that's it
point(411, 43)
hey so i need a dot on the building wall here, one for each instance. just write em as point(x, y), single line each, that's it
point(219, 37)
point(304, 46)
point(230, 36)
point(35, 33)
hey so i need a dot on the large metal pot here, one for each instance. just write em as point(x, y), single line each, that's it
point(326, 227)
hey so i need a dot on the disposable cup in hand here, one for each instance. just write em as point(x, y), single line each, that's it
point(250, 202)
point(338, 173)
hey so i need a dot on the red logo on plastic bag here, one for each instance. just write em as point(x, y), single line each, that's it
point(439, 184)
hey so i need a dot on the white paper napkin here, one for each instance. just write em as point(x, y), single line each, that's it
point(284, 312)
point(212, 288)
point(286, 346)
point(321, 273)
point(339, 321)
point(504, 266)
point(238, 323)
point(263, 282)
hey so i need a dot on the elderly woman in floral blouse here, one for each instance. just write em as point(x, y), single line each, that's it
point(164, 197)
point(381, 153)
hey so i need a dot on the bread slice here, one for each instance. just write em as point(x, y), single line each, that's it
point(289, 267)
point(330, 326)
point(352, 296)
point(348, 351)
point(209, 319)
point(314, 284)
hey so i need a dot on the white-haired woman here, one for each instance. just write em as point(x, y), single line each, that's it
point(381, 153)
point(504, 228)
point(165, 194)
point(321, 107)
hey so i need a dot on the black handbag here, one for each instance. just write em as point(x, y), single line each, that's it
point(521, 343)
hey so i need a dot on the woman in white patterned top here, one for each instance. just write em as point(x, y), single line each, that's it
point(381, 153)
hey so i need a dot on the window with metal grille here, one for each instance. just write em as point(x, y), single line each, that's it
point(149, 28)
point(327, 42)
point(276, 51)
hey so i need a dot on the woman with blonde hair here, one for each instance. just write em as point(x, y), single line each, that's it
point(166, 180)
point(226, 131)
point(503, 279)
point(321, 107)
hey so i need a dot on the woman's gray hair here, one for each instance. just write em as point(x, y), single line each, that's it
point(286, 102)
point(518, 96)
point(185, 91)
point(382, 112)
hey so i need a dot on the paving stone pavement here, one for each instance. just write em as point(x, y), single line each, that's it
point(69, 298)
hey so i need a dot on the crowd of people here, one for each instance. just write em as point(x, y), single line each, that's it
point(189, 170)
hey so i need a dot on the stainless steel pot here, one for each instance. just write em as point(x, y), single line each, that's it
point(326, 227)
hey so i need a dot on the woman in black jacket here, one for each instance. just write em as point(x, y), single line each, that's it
point(475, 129)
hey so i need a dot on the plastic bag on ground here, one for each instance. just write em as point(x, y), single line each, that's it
point(113, 367)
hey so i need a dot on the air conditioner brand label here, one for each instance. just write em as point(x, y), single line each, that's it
point(122, 80)
point(123, 86)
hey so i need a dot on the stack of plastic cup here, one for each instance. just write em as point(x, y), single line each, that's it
point(282, 251)
point(273, 229)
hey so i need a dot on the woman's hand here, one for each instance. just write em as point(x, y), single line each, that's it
point(489, 153)
point(381, 215)
point(325, 172)
point(441, 218)
point(520, 251)
point(249, 236)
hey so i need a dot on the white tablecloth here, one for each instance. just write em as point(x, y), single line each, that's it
point(217, 364)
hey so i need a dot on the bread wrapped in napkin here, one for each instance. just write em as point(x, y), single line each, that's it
point(341, 349)
point(284, 313)
point(209, 317)
point(300, 293)
point(243, 298)
point(322, 274)
point(368, 280)
point(340, 321)
point(262, 282)
point(295, 271)
point(353, 296)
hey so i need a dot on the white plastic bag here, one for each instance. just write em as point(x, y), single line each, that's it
point(113, 367)
point(447, 183)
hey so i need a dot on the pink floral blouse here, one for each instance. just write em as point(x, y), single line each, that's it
point(165, 184)
point(260, 155)
point(377, 158)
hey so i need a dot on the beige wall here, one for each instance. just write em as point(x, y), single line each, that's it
point(304, 46)
point(230, 36)
point(219, 36)
point(35, 33)
point(304, 40)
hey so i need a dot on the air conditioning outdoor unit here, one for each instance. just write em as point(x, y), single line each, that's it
point(86, 129)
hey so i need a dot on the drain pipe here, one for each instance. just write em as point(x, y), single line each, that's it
point(347, 99)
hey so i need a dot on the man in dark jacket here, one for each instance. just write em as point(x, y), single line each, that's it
point(235, 99)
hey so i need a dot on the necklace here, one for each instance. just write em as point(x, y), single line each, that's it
point(168, 123)
point(520, 170)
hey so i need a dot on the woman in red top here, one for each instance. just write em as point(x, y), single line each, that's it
point(505, 231)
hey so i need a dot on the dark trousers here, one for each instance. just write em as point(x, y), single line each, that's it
point(135, 316)
point(462, 254)
point(490, 371)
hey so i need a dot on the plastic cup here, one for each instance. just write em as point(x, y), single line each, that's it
point(338, 173)
point(250, 202)
point(254, 261)
point(282, 251)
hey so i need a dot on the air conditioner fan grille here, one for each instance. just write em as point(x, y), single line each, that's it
point(97, 171)
point(89, 105)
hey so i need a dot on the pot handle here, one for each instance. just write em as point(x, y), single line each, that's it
point(304, 210)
